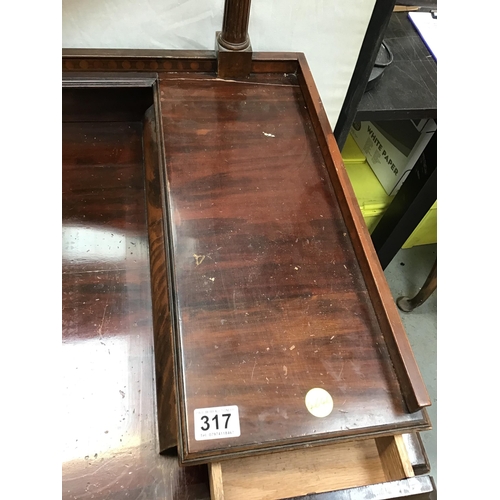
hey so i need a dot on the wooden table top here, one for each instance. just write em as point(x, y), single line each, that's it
point(250, 204)
point(270, 300)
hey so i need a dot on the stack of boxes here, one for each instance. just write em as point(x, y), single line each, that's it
point(373, 199)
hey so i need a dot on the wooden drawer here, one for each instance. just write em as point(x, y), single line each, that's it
point(381, 466)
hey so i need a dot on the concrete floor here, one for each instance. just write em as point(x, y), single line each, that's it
point(406, 275)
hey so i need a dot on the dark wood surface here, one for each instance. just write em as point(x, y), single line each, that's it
point(109, 435)
point(410, 379)
point(103, 196)
point(234, 34)
point(162, 327)
point(125, 62)
point(270, 298)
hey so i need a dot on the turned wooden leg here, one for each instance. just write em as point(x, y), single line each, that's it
point(406, 304)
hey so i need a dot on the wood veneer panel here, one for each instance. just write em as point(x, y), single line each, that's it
point(270, 299)
point(105, 306)
point(164, 355)
point(291, 473)
point(410, 378)
point(126, 61)
point(109, 431)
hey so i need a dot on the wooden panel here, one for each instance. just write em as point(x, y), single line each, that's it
point(127, 61)
point(331, 468)
point(410, 379)
point(299, 472)
point(108, 323)
point(109, 434)
point(394, 457)
point(270, 298)
point(164, 356)
point(138, 60)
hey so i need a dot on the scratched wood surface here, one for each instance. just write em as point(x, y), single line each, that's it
point(109, 431)
point(110, 438)
point(270, 298)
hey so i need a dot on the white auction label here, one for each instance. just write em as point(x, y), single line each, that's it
point(216, 423)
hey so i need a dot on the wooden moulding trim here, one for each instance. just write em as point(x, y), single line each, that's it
point(175, 386)
point(275, 62)
point(138, 53)
point(127, 60)
point(222, 455)
point(407, 371)
point(79, 79)
point(138, 60)
point(160, 286)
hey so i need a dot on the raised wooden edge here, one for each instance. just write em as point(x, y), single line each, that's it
point(279, 446)
point(315, 469)
point(157, 217)
point(108, 60)
point(79, 79)
point(162, 325)
point(350, 209)
point(407, 371)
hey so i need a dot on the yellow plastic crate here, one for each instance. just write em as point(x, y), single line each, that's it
point(373, 200)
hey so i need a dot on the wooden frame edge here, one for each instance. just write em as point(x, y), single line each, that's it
point(162, 328)
point(410, 378)
point(349, 208)
point(145, 60)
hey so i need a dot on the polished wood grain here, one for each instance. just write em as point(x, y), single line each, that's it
point(109, 425)
point(271, 301)
point(234, 34)
point(107, 302)
point(138, 60)
point(232, 44)
point(410, 378)
point(125, 61)
point(163, 349)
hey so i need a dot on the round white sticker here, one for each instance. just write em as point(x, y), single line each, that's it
point(319, 402)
